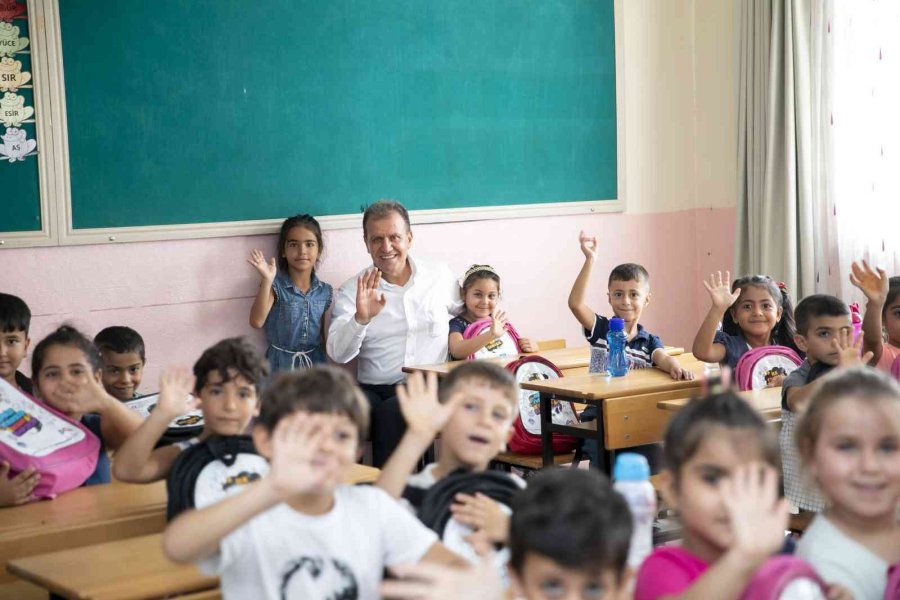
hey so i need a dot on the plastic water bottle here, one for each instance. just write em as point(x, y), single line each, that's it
point(631, 477)
point(616, 339)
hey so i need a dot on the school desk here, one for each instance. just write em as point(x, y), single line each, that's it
point(627, 406)
point(563, 358)
point(767, 402)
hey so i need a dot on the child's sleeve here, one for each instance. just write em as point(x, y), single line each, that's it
point(601, 328)
point(230, 549)
point(662, 574)
point(405, 540)
point(797, 378)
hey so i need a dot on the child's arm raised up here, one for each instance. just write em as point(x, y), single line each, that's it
point(295, 443)
point(849, 356)
point(875, 286)
point(425, 416)
point(265, 297)
point(582, 311)
point(137, 461)
point(460, 347)
point(722, 298)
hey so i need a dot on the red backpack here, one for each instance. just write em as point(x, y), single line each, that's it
point(526, 437)
point(758, 367)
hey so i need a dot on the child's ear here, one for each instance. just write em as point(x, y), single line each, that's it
point(647, 299)
point(800, 341)
point(778, 314)
point(262, 440)
point(27, 343)
point(624, 585)
point(668, 488)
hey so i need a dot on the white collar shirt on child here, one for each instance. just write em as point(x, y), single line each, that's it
point(282, 553)
point(411, 329)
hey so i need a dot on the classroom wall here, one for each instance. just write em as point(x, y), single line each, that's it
point(680, 193)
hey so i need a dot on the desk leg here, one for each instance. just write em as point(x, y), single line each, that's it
point(546, 434)
point(603, 454)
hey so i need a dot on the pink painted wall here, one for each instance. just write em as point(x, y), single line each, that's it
point(184, 295)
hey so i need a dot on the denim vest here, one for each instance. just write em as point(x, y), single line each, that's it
point(294, 324)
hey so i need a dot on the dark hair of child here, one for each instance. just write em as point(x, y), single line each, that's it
point(818, 305)
point(231, 354)
point(690, 425)
point(784, 330)
point(893, 292)
point(316, 390)
point(493, 375)
point(307, 222)
point(14, 314)
point(629, 272)
point(573, 517)
point(478, 272)
point(120, 339)
point(65, 335)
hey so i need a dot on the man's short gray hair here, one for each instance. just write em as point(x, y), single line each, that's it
point(383, 208)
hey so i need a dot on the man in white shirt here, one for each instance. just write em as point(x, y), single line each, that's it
point(390, 316)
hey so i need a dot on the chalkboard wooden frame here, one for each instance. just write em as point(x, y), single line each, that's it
point(56, 194)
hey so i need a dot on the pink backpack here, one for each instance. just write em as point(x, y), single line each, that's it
point(895, 368)
point(526, 437)
point(758, 367)
point(33, 434)
point(505, 345)
point(785, 577)
point(855, 320)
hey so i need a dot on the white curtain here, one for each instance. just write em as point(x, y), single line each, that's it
point(856, 139)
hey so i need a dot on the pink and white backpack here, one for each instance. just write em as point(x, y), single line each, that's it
point(526, 436)
point(785, 577)
point(63, 451)
point(758, 367)
point(502, 347)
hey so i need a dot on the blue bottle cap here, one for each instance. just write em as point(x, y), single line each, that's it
point(616, 324)
point(631, 467)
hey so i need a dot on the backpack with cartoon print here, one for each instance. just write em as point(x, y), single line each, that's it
point(526, 437)
point(63, 451)
point(758, 367)
point(183, 427)
point(502, 347)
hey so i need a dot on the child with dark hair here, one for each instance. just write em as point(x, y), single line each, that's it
point(569, 537)
point(481, 296)
point(66, 371)
point(298, 532)
point(225, 381)
point(123, 355)
point(15, 320)
point(754, 312)
point(291, 302)
point(881, 323)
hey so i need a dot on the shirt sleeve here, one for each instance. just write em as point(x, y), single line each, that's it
point(229, 551)
point(404, 538)
point(601, 328)
point(457, 325)
point(655, 344)
point(659, 576)
point(345, 335)
point(797, 378)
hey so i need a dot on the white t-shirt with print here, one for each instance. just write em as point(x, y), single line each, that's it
point(283, 553)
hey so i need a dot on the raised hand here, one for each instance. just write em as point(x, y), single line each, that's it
point(498, 323)
point(17, 490)
point(422, 411)
point(267, 269)
point(299, 465)
point(873, 284)
point(588, 245)
point(175, 387)
point(849, 351)
point(369, 301)
point(758, 517)
point(720, 290)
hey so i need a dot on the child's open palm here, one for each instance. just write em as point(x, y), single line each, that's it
point(498, 323)
point(298, 465)
point(267, 269)
point(720, 290)
point(873, 284)
point(419, 404)
point(758, 517)
point(588, 244)
point(175, 386)
point(849, 350)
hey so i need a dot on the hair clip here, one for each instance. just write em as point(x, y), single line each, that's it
point(479, 269)
point(781, 285)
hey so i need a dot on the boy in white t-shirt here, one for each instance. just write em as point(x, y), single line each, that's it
point(298, 532)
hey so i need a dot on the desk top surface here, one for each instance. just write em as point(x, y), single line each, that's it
point(766, 401)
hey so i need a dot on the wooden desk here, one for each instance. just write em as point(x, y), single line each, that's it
point(564, 358)
point(767, 402)
point(627, 406)
point(81, 517)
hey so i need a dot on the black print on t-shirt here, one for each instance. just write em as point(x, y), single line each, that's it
point(317, 577)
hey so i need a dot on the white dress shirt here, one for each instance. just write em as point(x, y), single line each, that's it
point(411, 329)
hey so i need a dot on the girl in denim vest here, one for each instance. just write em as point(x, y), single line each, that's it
point(291, 302)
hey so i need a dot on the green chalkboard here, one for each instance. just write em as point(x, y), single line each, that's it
point(20, 205)
point(193, 111)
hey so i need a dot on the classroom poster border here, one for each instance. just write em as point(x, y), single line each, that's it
point(55, 181)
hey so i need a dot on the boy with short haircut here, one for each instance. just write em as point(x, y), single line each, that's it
point(122, 351)
point(824, 333)
point(298, 532)
point(628, 294)
point(473, 411)
point(569, 537)
point(224, 383)
point(15, 320)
